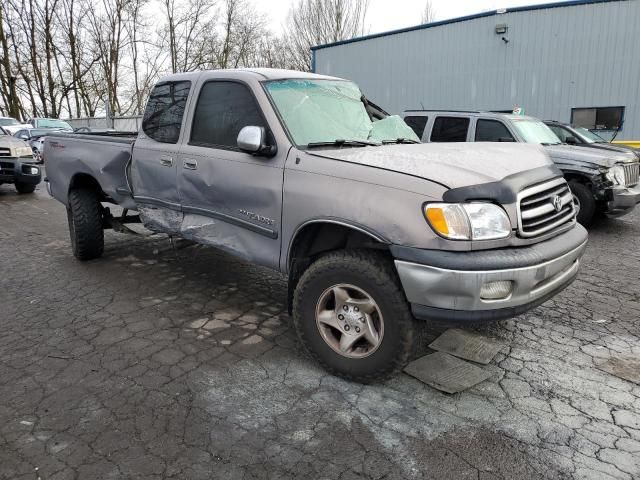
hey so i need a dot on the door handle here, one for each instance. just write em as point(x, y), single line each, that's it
point(166, 161)
point(190, 164)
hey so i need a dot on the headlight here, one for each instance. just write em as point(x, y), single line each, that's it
point(616, 175)
point(468, 221)
point(22, 151)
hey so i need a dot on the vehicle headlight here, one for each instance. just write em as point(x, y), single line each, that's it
point(22, 151)
point(616, 175)
point(468, 221)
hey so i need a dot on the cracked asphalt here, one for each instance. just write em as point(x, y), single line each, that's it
point(155, 362)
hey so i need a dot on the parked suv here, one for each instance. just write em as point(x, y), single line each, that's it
point(301, 173)
point(583, 137)
point(602, 181)
point(17, 164)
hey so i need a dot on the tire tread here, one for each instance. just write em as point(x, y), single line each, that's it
point(379, 269)
point(88, 232)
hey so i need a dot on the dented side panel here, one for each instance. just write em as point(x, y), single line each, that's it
point(102, 158)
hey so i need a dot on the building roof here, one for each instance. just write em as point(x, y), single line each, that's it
point(566, 3)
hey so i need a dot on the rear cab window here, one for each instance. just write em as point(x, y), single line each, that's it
point(163, 114)
point(492, 131)
point(450, 129)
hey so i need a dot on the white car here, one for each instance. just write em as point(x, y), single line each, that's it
point(35, 138)
point(11, 125)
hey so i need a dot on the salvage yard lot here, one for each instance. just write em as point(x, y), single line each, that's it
point(155, 362)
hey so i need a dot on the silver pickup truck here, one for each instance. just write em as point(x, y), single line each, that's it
point(301, 173)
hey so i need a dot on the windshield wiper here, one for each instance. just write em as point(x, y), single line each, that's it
point(399, 140)
point(343, 143)
point(547, 144)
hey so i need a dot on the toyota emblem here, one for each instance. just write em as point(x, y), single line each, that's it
point(557, 202)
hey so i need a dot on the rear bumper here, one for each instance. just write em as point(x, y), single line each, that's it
point(18, 170)
point(624, 199)
point(449, 285)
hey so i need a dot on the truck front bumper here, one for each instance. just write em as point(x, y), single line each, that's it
point(623, 200)
point(490, 284)
point(19, 170)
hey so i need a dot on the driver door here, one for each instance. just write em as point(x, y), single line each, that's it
point(230, 199)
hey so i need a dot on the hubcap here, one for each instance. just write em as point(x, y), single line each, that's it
point(349, 321)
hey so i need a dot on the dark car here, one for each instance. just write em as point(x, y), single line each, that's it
point(583, 137)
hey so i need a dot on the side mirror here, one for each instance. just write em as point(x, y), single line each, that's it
point(253, 140)
point(571, 141)
point(506, 139)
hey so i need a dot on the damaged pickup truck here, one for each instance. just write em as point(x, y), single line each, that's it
point(300, 173)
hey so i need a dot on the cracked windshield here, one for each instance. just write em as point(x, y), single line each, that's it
point(319, 111)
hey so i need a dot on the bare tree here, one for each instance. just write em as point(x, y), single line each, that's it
point(429, 12)
point(81, 57)
point(315, 22)
point(188, 31)
point(10, 98)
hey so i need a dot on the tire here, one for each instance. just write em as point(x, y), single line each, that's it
point(586, 203)
point(373, 274)
point(85, 224)
point(25, 187)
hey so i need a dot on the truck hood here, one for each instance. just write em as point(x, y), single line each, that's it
point(451, 164)
point(12, 142)
point(613, 148)
point(603, 158)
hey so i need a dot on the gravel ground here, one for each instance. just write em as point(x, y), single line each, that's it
point(155, 362)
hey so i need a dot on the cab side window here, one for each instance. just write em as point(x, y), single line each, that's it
point(492, 131)
point(417, 124)
point(165, 108)
point(450, 129)
point(224, 108)
point(561, 133)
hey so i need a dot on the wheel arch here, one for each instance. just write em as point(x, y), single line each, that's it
point(322, 235)
point(85, 180)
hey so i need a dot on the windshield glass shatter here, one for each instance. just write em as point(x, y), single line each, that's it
point(328, 110)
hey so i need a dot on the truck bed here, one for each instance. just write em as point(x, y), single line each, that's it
point(103, 158)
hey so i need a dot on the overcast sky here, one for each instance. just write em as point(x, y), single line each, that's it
point(386, 15)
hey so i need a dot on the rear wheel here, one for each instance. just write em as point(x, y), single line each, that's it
point(85, 224)
point(25, 187)
point(585, 203)
point(351, 314)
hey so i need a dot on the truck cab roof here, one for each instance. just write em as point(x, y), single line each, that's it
point(259, 74)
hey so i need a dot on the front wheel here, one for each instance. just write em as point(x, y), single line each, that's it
point(351, 315)
point(585, 203)
point(25, 187)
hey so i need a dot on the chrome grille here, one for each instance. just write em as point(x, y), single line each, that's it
point(631, 174)
point(544, 207)
point(5, 152)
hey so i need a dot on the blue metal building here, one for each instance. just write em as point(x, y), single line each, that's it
point(571, 61)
